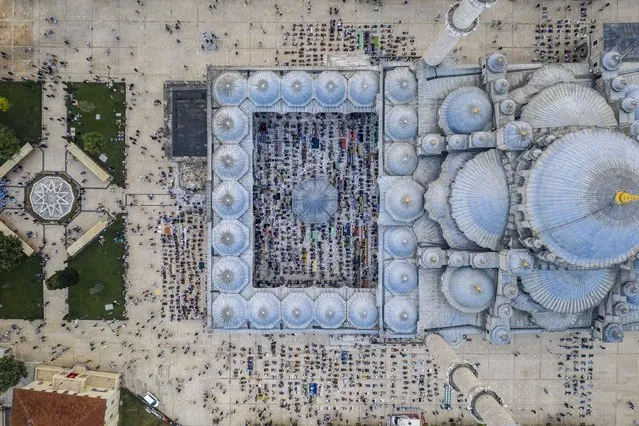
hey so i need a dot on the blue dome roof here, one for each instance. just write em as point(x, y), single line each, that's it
point(404, 200)
point(362, 88)
point(400, 241)
point(230, 162)
point(228, 311)
point(297, 310)
point(229, 238)
point(437, 205)
point(264, 88)
point(229, 274)
point(315, 200)
point(568, 104)
point(329, 310)
point(633, 92)
point(466, 110)
point(297, 88)
point(554, 321)
point(568, 291)
point(330, 88)
point(400, 314)
point(229, 199)
point(400, 277)
point(480, 200)
point(469, 290)
point(570, 198)
point(362, 310)
point(264, 310)
point(230, 125)
point(400, 85)
point(229, 89)
point(401, 159)
point(518, 135)
point(401, 123)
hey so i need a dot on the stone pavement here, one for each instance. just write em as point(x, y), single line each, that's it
point(127, 40)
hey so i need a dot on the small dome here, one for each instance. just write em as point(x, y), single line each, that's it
point(400, 314)
point(230, 162)
point(404, 200)
point(229, 238)
point(362, 310)
point(568, 291)
point(330, 88)
point(230, 200)
point(568, 104)
point(480, 200)
point(401, 123)
point(400, 277)
point(520, 262)
point(362, 88)
point(500, 335)
point(518, 135)
point(613, 333)
point(497, 62)
point(501, 86)
point(329, 310)
point(229, 274)
point(264, 88)
point(297, 310)
point(230, 125)
point(400, 85)
point(264, 310)
point(400, 241)
point(401, 159)
point(469, 290)
point(611, 60)
point(229, 88)
point(297, 88)
point(466, 110)
point(228, 311)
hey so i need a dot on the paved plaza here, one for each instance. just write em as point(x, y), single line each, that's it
point(204, 378)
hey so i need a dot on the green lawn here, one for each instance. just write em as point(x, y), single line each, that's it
point(101, 268)
point(21, 291)
point(25, 111)
point(106, 102)
point(132, 412)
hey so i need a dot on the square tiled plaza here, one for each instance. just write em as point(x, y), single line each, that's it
point(206, 378)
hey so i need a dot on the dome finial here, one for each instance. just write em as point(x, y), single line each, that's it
point(623, 197)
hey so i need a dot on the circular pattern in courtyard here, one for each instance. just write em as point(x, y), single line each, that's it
point(52, 197)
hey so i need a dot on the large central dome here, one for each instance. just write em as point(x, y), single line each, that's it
point(570, 198)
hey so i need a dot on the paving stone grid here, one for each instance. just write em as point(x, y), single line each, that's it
point(202, 378)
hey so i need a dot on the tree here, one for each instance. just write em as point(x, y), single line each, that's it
point(4, 104)
point(93, 143)
point(9, 143)
point(11, 371)
point(63, 279)
point(10, 252)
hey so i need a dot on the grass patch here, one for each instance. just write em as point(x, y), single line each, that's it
point(95, 99)
point(21, 291)
point(132, 411)
point(25, 111)
point(101, 269)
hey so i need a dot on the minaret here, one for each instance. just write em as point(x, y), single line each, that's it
point(484, 403)
point(460, 20)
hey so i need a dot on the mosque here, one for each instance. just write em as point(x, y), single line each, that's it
point(508, 195)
